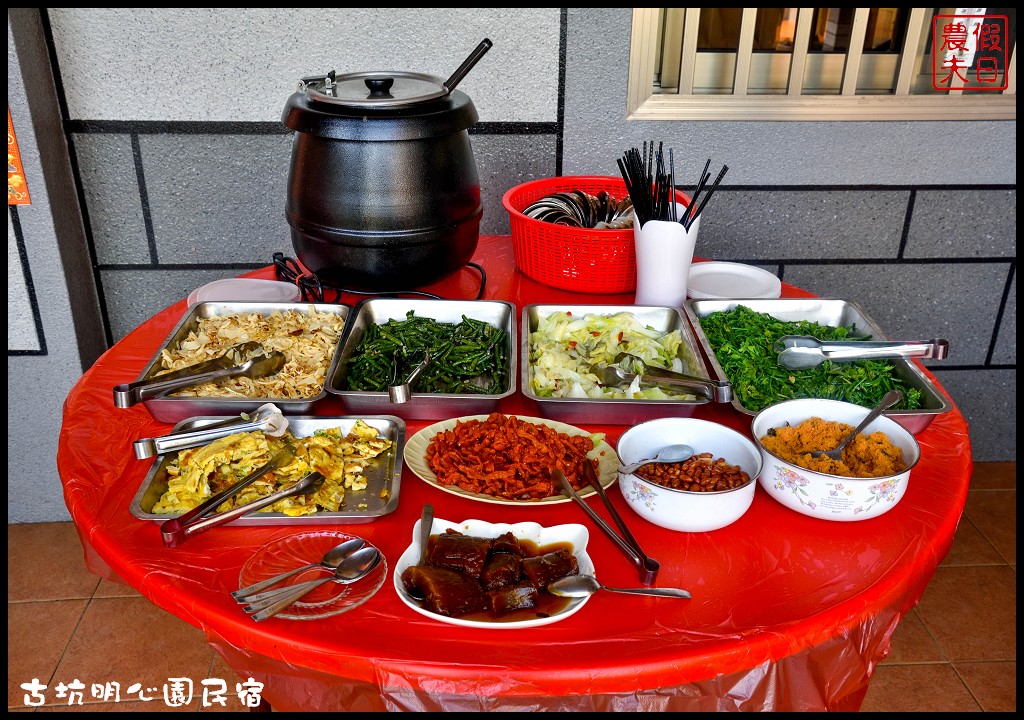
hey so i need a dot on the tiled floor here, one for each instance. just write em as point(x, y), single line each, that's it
point(955, 651)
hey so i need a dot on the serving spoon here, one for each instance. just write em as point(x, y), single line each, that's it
point(354, 567)
point(586, 585)
point(330, 561)
point(670, 454)
point(888, 400)
point(426, 524)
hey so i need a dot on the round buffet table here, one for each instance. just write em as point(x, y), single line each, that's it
point(789, 612)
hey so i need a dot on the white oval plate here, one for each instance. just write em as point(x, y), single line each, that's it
point(576, 535)
point(415, 456)
point(714, 280)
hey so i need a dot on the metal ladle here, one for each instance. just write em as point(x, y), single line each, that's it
point(586, 585)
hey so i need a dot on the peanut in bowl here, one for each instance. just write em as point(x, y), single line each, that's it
point(707, 492)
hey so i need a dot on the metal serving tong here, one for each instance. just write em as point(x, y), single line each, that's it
point(628, 544)
point(225, 366)
point(199, 519)
point(802, 352)
point(268, 419)
point(714, 390)
point(401, 392)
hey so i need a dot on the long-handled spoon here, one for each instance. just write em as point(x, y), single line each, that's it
point(351, 569)
point(888, 400)
point(670, 454)
point(426, 523)
point(584, 585)
point(330, 561)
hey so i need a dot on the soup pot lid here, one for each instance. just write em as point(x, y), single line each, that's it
point(373, 90)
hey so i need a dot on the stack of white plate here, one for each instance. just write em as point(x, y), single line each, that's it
point(717, 280)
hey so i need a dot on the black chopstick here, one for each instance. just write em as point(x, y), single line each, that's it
point(651, 185)
point(710, 192)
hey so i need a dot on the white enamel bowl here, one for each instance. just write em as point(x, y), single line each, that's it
point(684, 510)
point(832, 497)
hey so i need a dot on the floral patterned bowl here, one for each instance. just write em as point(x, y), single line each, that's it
point(832, 497)
point(684, 510)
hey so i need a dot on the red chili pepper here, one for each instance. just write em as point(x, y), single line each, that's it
point(620, 337)
point(572, 344)
point(595, 333)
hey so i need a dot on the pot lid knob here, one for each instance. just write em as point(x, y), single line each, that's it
point(379, 86)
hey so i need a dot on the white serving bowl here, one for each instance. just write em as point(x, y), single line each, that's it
point(825, 496)
point(685, 510)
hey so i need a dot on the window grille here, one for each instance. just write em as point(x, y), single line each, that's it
point(810, 64)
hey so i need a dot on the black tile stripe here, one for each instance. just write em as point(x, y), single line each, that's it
point(563, 43)
point(231, 127)
point(147, 216)
point(907, 219)
point(999, 314)
point(183, 266)
point(29, 286)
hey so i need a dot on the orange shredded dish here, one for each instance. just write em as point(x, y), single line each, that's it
point(506, 457)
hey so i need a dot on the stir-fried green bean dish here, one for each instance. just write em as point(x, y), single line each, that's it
point(743, 342)
point(470, 356)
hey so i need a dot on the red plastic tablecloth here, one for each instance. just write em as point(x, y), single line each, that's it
point(788, 612)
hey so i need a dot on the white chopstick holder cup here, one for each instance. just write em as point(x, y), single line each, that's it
point(664, 252)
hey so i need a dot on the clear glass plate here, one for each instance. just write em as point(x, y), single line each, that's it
point(292, 551)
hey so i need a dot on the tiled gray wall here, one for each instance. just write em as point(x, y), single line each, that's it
point(762, 153)
point(225, 64)
point(826, 205)
point(37, 384)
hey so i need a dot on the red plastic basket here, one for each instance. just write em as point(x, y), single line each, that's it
point(574, 259)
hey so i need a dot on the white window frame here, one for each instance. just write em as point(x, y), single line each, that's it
point(644, 103)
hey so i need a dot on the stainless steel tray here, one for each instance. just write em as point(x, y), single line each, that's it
point(614, 411)
point(432, 406)
point(171, 409)
point(383, 476)
point(827, 311)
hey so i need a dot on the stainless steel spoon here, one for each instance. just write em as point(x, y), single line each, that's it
point(585, 585)
point(888, 400)
point(355, 566)
point(670, 454)
point(330, 561)
point(426, 524)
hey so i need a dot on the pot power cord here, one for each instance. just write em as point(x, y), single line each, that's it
point(314, 289)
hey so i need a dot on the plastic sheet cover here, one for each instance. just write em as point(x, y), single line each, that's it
point(789, 612)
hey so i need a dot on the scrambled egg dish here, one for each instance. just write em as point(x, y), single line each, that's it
point(198, 473)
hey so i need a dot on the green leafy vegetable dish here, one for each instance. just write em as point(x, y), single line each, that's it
point(468, 357)
point(743, 343)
